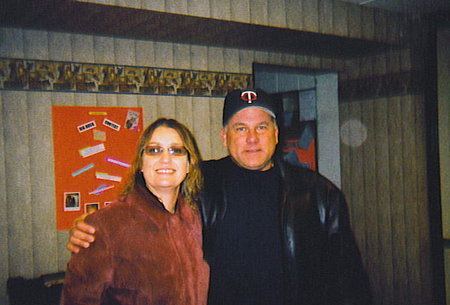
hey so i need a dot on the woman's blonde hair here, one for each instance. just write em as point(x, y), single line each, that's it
point(192, 184)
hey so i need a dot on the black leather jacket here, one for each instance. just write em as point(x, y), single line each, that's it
point(322, 263)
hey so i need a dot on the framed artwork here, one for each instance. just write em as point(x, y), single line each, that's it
point(298, 127)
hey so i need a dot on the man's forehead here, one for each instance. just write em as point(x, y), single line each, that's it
point(245, 123)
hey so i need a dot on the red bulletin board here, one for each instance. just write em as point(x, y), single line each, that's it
point(93, 148)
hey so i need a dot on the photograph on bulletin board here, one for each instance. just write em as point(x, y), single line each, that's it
point(93, 151)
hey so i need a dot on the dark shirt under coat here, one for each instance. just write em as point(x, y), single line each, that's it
point(321, 263)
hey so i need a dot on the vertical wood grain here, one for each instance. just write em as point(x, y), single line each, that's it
point(86, 99)
point(124, 52)
point(146, 57)
point(105, 52)
point(357, 176)
point(164, 52)
point(184, 110)
point(220, 9)
point(63, 99)
point(128, 3)
point(127, 100)
point(412, 241)
point(276, 13)
point(42, 183)
point(310, 15)
point(217, 149)
point(176, 6)
point(258, 12)
point(372, 258)
point(104, 49)
point(199, 8)
point(18, 184)
point(82, 48)
point(149, 104)
point(294, 11)
point(4, 248)
point(36, 44)
point(240, 10)
point(326, 16)
point(395, 28)
point(367, 23)
point(422, 193)
point(59, 46)
point(346, 162)
point(397, 201)
point(246, 60)
point(11, 43)
point(202, 125)
point(340, 18)
point(354, 21)
point(383, 198)
point(380, 25)
point(166, 106)
point(156, 5)
point(42, 231)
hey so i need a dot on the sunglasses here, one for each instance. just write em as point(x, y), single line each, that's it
point(176, 151)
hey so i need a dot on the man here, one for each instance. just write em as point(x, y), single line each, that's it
point(272, 233)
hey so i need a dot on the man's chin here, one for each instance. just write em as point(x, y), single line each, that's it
point(257, 166)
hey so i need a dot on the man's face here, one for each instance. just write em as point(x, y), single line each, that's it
point(251, 137)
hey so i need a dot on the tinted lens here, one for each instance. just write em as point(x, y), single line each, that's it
point(177, 151)
point(158, 150)
point(153, 150)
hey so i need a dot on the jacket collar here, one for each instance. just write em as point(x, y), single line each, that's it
point(154, 209)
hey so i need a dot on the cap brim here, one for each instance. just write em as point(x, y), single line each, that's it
point(268, 111)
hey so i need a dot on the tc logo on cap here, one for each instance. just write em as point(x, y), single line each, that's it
point(249, 96)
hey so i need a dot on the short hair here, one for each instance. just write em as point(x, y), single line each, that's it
point(192, 184)
point(272, 119)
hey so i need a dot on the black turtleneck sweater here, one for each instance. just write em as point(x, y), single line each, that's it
point(247, 267)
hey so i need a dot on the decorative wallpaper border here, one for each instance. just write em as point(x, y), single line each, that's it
point(381, 86)
point(42, 75)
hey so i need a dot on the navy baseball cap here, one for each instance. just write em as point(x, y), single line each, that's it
point(238, 100)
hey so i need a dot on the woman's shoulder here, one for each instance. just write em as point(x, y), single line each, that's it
point(110, 214)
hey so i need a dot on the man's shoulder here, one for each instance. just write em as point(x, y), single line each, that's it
point(215, 162)
point(210, 166)
point(297, 174)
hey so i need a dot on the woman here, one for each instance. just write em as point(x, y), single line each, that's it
point(148, 248)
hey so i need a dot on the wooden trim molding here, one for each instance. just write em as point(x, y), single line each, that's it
point(379, 86)
point(132, 23)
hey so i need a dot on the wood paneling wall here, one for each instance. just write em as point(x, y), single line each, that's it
point(384, 181)
point(383, 178)
point(320, 16)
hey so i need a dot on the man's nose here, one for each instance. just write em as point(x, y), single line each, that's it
point(252, 136)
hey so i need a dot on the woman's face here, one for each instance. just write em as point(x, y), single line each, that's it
point(165, 161)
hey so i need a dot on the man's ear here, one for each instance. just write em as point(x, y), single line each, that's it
point(223, 133)
point(277, 134)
